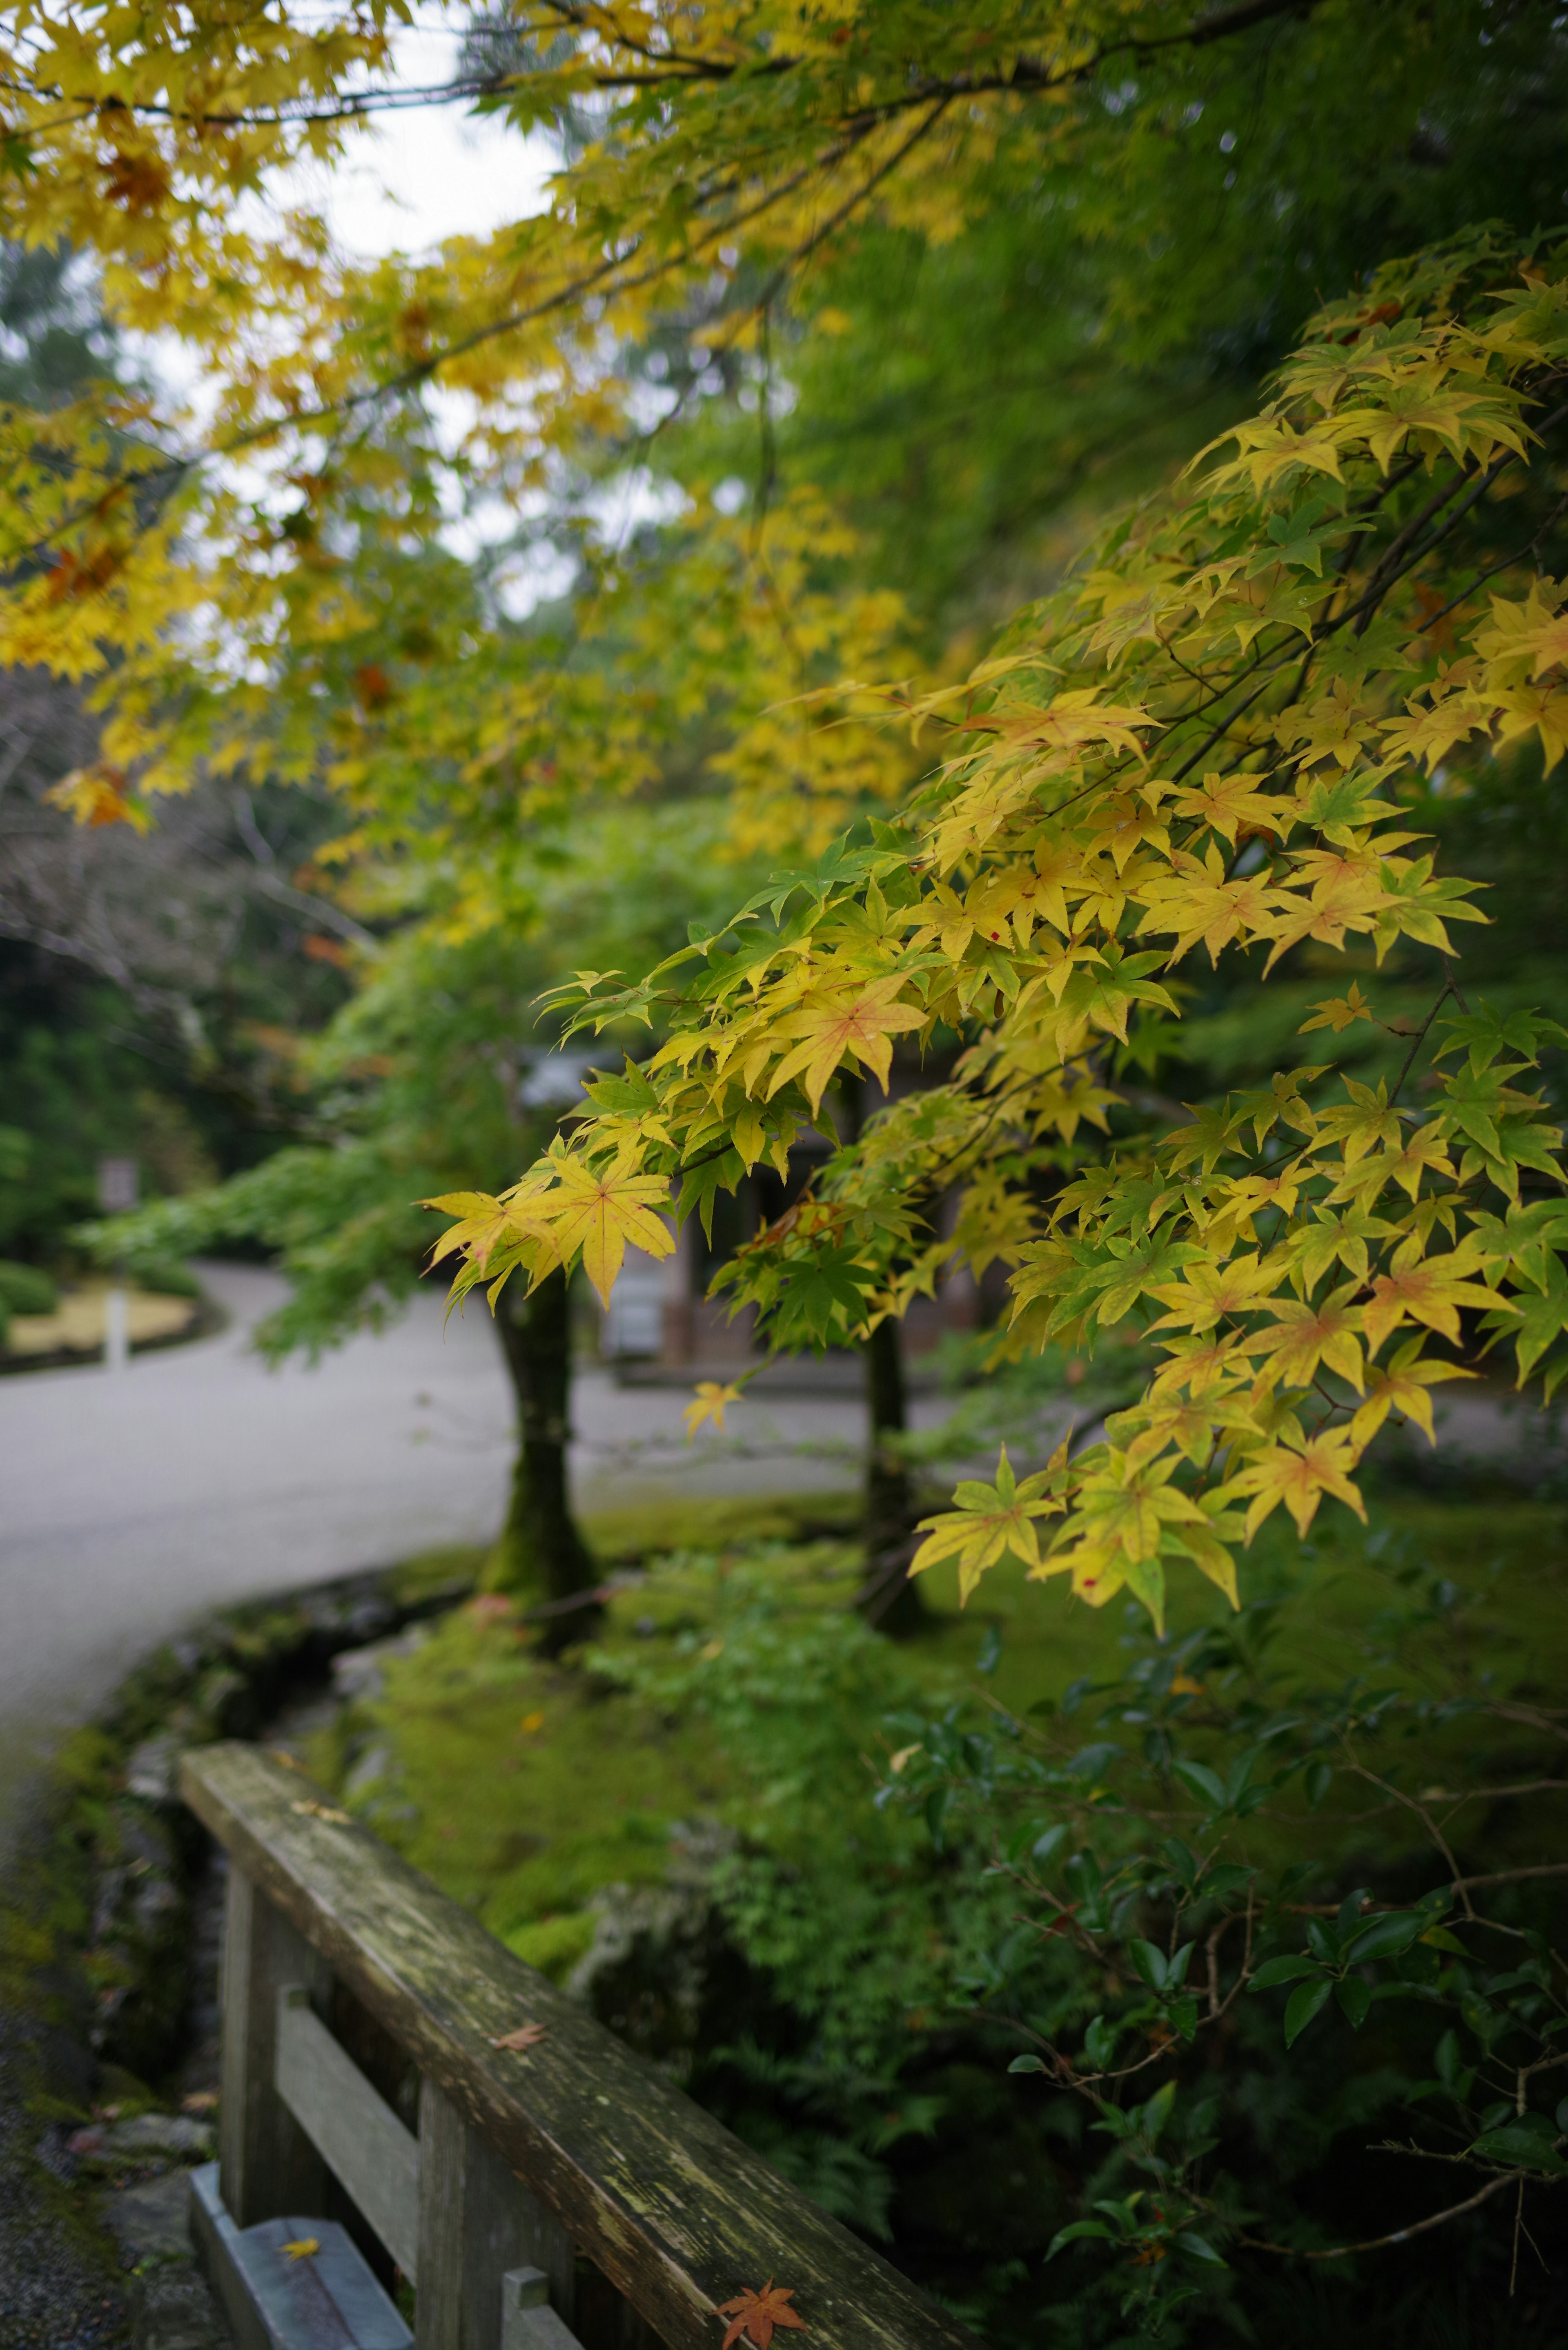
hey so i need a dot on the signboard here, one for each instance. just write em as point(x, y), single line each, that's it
point(116, 1185)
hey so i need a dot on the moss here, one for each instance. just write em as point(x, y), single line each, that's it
point(554, 1945)
point(524, 1787)
point(659, 1528)
point(521, 1786)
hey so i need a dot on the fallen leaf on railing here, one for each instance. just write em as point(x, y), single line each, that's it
point(323, 1812)
point(304, 2248)
point(525, 2037)
point(755, 2314)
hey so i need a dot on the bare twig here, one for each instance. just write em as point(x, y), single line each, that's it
point(1378, 2243)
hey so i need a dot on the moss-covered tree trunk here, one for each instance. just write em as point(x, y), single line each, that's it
point(887, 1518)
point(887, 1598)
point(541, 1555)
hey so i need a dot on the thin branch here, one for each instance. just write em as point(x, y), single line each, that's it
point(1378, 2243)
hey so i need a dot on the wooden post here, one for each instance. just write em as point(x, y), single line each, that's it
point(477, 2222)
point(268, 2169)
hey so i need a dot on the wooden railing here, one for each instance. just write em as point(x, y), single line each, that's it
point(568, 2180)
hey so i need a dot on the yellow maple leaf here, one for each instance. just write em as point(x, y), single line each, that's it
point(1338, 1012)
point(1300, 1477)
point(1402, 1388)
point(861, 1021)
point(1209, 1293)
point(1229, 803)
point(301, 2249)
point(482, 1223)
point(599, 1214)
point(1429, 1290)
point(1306, 1336)
point(989, 1520)
point(98, 796)
point(711, 1399)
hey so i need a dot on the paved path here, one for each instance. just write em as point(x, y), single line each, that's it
point(131, 1501)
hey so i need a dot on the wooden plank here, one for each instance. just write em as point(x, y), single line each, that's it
point(677, 2212)
point(527, 2320)
point(477, 2220)
point(275, 2300)
point(267, 2163)
point(357, 2134)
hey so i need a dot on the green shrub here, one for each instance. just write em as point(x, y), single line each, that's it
point(168, 1279)
point(24, 1290)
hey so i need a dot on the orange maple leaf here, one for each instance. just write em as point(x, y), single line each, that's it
point(755, 2314)
point(523, 2037)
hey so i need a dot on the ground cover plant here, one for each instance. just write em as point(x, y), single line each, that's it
point(1027, 2019)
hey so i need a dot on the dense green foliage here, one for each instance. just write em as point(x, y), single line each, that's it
point(919, 2007)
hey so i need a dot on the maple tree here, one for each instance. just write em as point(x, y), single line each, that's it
point(1204, 738)
point(1209, 742)
point(1197, 743)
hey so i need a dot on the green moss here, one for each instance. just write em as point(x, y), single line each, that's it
point(524, 1787)
point(659, 1528)
point(521, 1786)
point(554, 1945)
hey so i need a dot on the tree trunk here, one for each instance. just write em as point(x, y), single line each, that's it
point(889, 1599)
point(541, 1556)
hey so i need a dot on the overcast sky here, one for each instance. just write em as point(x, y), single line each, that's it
point(425, 173)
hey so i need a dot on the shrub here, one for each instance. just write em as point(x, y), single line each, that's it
point(24, 1290)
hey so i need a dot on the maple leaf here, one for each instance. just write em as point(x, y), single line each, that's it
point(989, 1520)
point(1402, 1388)
point(755, 2314)
point(1199, 901)
point(1429, 1290)
point(710, 1400)
point(483, 1222)
point(323, 1812)
point(1300, 1476)
point(1306, 1336)
point(862, 1022)
point(521, 2039)
point(1314, 1247)
point(1121, 1520)
point(301, 2249)
point(1211, 1292)
point(95, 796)
point(1230, 802)
point(1338, 1012)
point(599, 1214)
point(1539, 1316)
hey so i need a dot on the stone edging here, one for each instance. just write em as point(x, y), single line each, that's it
point(99, 1925)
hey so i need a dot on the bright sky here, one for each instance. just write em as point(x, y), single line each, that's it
point(410, 180)
point(431, 173)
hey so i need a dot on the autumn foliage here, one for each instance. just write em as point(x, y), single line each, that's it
point(1201, 743)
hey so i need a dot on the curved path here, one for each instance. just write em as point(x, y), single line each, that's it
point(131, 1501)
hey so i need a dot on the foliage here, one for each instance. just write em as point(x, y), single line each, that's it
point(24, 1290)
point(879, 1976)
point(1191, 1828)
point(1280, 611)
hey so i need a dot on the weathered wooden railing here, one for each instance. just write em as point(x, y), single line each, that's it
point(568, 2185)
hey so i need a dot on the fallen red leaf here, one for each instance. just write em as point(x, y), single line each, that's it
point(755, 2314)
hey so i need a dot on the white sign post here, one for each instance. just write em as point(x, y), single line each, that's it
point(117, 1189)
